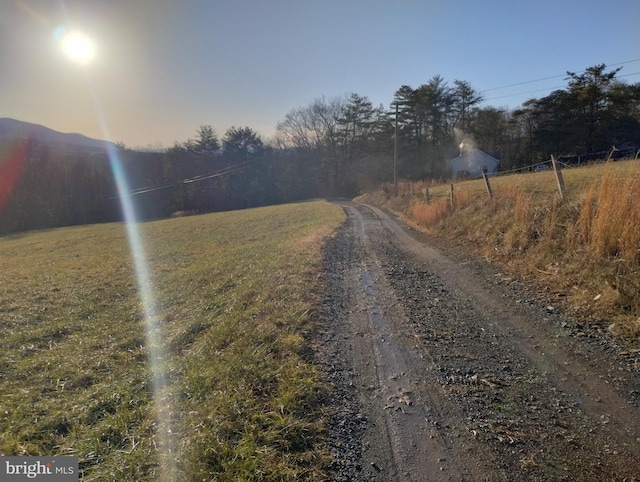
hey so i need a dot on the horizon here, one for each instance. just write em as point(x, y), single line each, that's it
point(159, 70)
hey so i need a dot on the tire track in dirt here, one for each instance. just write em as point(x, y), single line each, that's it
point(440, 378)
point(408, 437)
point(587, 387)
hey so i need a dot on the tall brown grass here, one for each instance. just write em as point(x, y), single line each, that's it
point(608, 227)
point(614, 228)
point(589, 242)
point(429, 214)
point(522, 216)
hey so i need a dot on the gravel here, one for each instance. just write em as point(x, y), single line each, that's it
point(495, 381)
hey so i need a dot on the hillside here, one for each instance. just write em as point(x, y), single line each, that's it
point(12, 128)
point(233, 296)
point(580, 252)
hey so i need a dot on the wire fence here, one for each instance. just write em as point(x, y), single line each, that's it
point(433, 190)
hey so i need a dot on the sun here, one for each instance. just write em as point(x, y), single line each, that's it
point(78, 47)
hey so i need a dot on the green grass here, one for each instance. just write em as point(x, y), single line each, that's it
point(236, 294)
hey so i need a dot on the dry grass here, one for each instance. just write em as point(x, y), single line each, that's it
point(586, 246)
point(608, 228)
point(614, 226)
point(429, 214)
point(235, 295)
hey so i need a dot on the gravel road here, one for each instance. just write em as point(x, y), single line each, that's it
point(443, 369)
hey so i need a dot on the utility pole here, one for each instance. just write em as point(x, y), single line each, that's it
point(395, 152)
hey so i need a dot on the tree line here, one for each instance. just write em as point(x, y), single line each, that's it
point(332, 147)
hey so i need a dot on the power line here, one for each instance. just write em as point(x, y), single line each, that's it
point(143, 190)
point(201, 177)
point(523, 93)
point(525, 82)
point(629, 75)
point(225, 170)
point(555, 77)
point(544, 89)
point(212, 174)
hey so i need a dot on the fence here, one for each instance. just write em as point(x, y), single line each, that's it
point(434, 190)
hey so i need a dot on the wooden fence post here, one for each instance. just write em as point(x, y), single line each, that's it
point(451, 198)
point(486, 182)
point(426, 196)
point(559, 178)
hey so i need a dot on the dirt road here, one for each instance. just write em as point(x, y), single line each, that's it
point(443, 369)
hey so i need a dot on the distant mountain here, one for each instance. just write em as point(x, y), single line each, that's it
point(11, 128)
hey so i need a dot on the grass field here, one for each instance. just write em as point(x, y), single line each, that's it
point(585, 247)
point(235, 295)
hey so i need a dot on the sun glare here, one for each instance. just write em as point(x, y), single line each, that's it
point(78, 47)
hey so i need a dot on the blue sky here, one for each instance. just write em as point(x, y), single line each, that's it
point(164, 67)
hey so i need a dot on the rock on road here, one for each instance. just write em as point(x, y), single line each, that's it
point(443, 370)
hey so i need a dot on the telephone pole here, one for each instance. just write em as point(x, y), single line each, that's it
point(395, 153)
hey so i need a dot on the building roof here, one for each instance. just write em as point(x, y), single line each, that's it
point(472, 163)
point(474, 157)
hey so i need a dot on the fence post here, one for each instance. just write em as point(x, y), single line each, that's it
point(426, 196)
point(486, 182)
point(559, 178)
point(451, 198)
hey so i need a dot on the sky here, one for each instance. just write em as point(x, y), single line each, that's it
point(162, 68)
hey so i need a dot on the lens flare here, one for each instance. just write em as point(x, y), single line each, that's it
point(12, 158)
point(157, 358)
point(156, 352)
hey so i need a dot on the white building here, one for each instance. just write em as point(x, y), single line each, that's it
point(471, 163)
